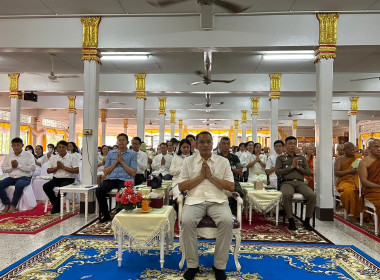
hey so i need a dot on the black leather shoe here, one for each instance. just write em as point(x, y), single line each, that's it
point(55, 211)
point(307, 226)
point(220, 274)
point(292, 224)
point(190, 273)
point(105, 219)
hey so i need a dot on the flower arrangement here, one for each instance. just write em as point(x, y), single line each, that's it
point(128, 198)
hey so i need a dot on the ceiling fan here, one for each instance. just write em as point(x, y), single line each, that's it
point(206, 77)
point(363, 79)
point(291, 115)
point(108, 102)
point(151, 123)
point(208, 104)
point(313, 103)
point(52, 76)
point(225, 4)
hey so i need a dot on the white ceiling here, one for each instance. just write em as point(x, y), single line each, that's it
point(181, 63)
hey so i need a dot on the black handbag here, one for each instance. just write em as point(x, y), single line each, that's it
point(156, 182)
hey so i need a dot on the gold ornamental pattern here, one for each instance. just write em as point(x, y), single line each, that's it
point(275, 86)
point(162, 105)
point(243, 116)
point(354, 106)
point(172, 116)
point(72, 109)
point(327, 36)
point(13, 86)
point(255, 105)
point(140, 86)
point(90, 39)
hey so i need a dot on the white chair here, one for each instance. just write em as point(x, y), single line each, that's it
point(207, 229)
point(336, 194)
point(370, 208)
point(39, 181)
point(27, 200)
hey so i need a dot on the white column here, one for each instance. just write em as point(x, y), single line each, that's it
point(243, 133)
point(15, 118)
point(180, 133)
point(294, 132)
point(126, 131)
point(254, 128)
point(162, 128)
point(126, 127)
point(104, 128)
point(141, 118)
point(172, 130)
point(273, 122)
point(323, 140)
point(352, 128)
point(90, 121)
point(72, 127)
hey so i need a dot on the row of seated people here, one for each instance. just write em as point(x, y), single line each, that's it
point(349, 169)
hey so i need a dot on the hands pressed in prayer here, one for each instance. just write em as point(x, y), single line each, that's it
point(14, 163)
point(60, 165)
point(163, 160)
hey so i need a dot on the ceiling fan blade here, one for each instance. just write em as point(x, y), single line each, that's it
point(195, 83)
point(218, 103)
point(198, 104)
point(223, 81)
point(354, 80)
point(162, 4)
point(121, 103)
point(299, 114)
point(231, 6)
point(67, 76)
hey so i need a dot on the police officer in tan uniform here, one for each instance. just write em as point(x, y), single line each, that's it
point(291, 169)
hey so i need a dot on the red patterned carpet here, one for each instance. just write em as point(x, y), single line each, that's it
point(367, 229)
point(263, 229)
point(32, 221)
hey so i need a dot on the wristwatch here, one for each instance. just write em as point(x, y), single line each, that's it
point(211, 178)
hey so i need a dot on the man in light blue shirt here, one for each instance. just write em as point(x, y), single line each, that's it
point(120, 166)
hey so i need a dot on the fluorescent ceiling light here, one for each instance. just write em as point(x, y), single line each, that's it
point(290, 52)
point(288, 56)
point(125, 55)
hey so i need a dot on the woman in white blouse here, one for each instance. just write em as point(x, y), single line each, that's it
point(257, 163)
point(101, 161)
point(176, 165)
point(40, 159)
point(73, 149)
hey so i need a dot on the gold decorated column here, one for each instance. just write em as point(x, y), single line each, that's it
point(103, 120)
point(172, 122)
point(180, 126)
point(15, 97)
point(236, 132)
point(275, 88)
point(294, 128)
point(91, 64)
point(162, 113)
point(141, 98)
point(72, 120)
point(324, 63)
point(254, 113)
point(90, 50)
point(244, 126)
point(126, 126)
point(352, 115)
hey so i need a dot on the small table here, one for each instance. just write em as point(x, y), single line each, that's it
point(73, 188)
point(142, 228)
point(263, 201)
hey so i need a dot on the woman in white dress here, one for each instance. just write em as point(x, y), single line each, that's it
point(73, 149)
point(176, 165)
point(40, 159)
point(101, 162)
point(257, 163)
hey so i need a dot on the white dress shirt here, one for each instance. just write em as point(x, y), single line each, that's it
point(175, 170)
point(158, 168)
point(142, 162)
point(69, 161)
point(206, 191)
point(257, 172)
point(244, 158)
point(26, 165)
point(271, 163)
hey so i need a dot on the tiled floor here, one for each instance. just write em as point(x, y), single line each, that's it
point(14, 246)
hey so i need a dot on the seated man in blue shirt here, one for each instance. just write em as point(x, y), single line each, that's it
point(121, 165)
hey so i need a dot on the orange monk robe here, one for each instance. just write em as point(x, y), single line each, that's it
point(373, 194)
point(348, 187)
point(310, 179)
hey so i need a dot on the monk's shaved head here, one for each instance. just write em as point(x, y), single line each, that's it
point(349, 149)
point(374, 142)
point(339, 149)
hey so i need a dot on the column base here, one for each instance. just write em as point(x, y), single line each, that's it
point(324, 214)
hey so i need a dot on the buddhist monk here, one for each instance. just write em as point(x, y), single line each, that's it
point(339, 150)
point(348, 180)
point(369, 172)
point(309, 154)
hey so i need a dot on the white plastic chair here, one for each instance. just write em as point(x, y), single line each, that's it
point(39, 181)
point(336, 194)
point(209, 232)
point(27, 200)
point(370, 208)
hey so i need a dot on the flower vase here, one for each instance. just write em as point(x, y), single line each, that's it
point(129, 207)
